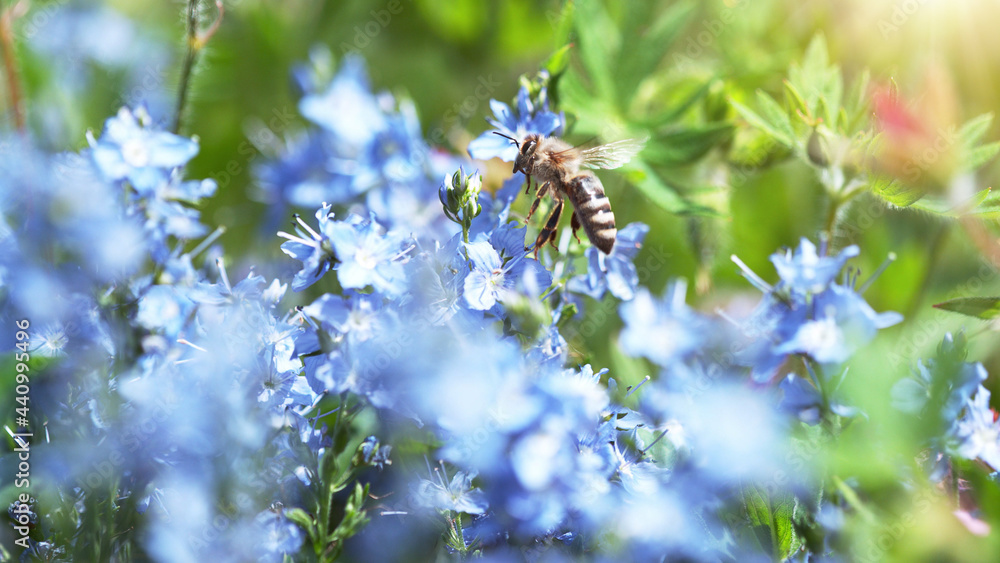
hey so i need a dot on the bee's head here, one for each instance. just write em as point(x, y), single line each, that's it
point(525, 151)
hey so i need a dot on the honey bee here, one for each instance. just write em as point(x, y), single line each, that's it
point(556, 166)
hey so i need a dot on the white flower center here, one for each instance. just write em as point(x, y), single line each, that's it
point(365, 259)
point(820, 334)
point(360, 324)
point(135, 153)
point(496, 278)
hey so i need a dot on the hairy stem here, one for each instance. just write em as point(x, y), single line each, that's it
point(195, 43)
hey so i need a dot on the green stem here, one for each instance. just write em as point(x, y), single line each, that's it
point(193, 48)
point(831, 218)
point(459, 535)
point(852, 499)
point(195, 43)
point(937, 245)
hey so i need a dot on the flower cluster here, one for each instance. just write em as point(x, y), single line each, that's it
point(808, 316)
point(246, 430)
point(183, 382)
point(948, 392)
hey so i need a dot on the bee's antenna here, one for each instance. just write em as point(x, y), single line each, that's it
point(512, 139)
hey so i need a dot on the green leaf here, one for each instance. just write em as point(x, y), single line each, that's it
point(675, 112)
point(643, 177)
point(775, 115)
point(809, 74)
point(816, 61)
point(985, 308)
point(759, 122)
point(753, 149)
point(820, 83)
point(988, 207)
point(558, 61)
point(649, 183)
point(794, 98)
point(646, 43)
point(974, 158)
point(893, 192)
point(974, 129)
point(771, 519)
point(684, 146)
point(563, 24)
point(303, 519)
point(983, 204)
point(856, 103)
point(598, 39)
point(833, 94)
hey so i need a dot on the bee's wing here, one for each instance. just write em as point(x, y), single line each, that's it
point(612, 155)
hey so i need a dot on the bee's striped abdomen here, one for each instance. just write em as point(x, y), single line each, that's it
point(593, 209)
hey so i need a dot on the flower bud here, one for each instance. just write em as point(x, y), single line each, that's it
point(460, 196)
point(818, 149)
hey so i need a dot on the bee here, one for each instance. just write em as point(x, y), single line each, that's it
point(556, 166)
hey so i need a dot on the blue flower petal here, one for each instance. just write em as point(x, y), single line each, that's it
point(488, 146)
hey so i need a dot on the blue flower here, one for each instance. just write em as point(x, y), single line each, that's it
point(278, 536)
point(805, 401)
point(358, 316)
point(364, 254)
point(50, 341)
point(613, 272)
point(166, 308)
point(807, 314)
point(130, 148)
point(527, 119)
point(309, 173)
point(374, 454)
point(495, 278)
point(943, 383)
point(369, 256)
point(347, 108)
point(664, 330)
point(841, 323)
point(500, 268)
point(311, 247)
point(728, 432)
point(457, 495)
point(977, 433)
point(805, 271)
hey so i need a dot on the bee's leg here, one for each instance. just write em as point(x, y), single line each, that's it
point(548, 233)
point(575, 223)
point(542, 190)
point(527, 189)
